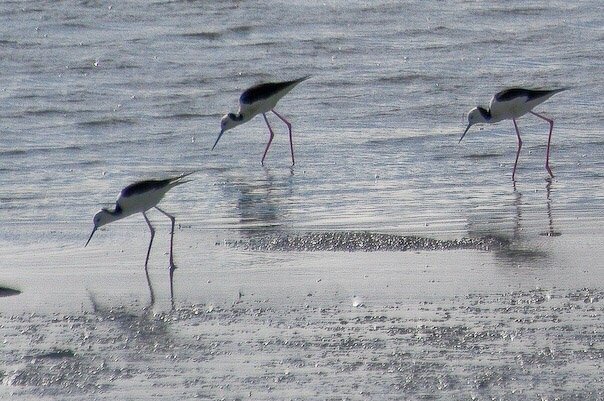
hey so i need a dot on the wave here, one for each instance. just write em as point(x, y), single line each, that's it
point(107, 122)
point(38, 150)
point(201, 35)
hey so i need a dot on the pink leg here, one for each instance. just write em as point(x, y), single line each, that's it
point(151, 240)
point(173, 220)
point(147, 259)
point(549, 140)
point(270, 130)
point(519, 147)
point(172, 265)
point(289, 127)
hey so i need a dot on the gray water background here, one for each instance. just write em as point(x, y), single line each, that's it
point(95, 95)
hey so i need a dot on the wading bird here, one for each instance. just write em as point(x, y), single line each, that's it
point(512, 104)
point(260, 99)
point(139, 198)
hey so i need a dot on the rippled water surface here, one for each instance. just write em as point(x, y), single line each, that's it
point(95, 95)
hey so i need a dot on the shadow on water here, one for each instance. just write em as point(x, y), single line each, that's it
point(518, 204)
point(520, 228)
point(152, 292)
point(551, 232)
point(260, 202)
point(142, 327)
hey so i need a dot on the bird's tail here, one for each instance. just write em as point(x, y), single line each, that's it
point(548, 94)
point(295, 82)
point(560, 90)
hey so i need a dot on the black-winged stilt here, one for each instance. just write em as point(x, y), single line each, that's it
point(512, 104)
point(260, 99)
point(139, 198)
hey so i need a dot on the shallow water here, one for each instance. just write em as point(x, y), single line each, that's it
point(96, 95)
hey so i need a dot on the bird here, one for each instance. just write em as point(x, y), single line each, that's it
point(512, 104)
point(260, 99)
point(139, 197)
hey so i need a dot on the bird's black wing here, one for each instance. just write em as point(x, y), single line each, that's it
point(144, 186)
point(514, 93)
point(264, 91)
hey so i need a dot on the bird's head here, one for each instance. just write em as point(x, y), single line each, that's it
point(475, 116)
point(101, 218)
point(228, 121)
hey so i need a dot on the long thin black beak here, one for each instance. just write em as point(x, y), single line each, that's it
point(217, 139)
point(464, 133)
point(89, 238)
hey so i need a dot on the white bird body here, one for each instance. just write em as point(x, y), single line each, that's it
point(511, 104)
point(144, 195)
point(514, 103)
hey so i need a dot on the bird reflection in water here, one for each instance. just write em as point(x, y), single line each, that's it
point(261, 204)
point(523, 249)
point(520, 221)
point(551, 232)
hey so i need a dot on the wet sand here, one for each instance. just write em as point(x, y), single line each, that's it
point(509, 322)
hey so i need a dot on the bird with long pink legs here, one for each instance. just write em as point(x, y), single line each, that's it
point(139, 198)
point(260, 99)
point(513, 104)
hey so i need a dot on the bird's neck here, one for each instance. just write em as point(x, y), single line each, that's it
point(241, 118)
point(108, 216)
point(236, 119)
point(487, 115)
point(115, 214)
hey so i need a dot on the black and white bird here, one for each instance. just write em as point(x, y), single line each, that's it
point(139, 198)
point(511, 104)
point(260, 99)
